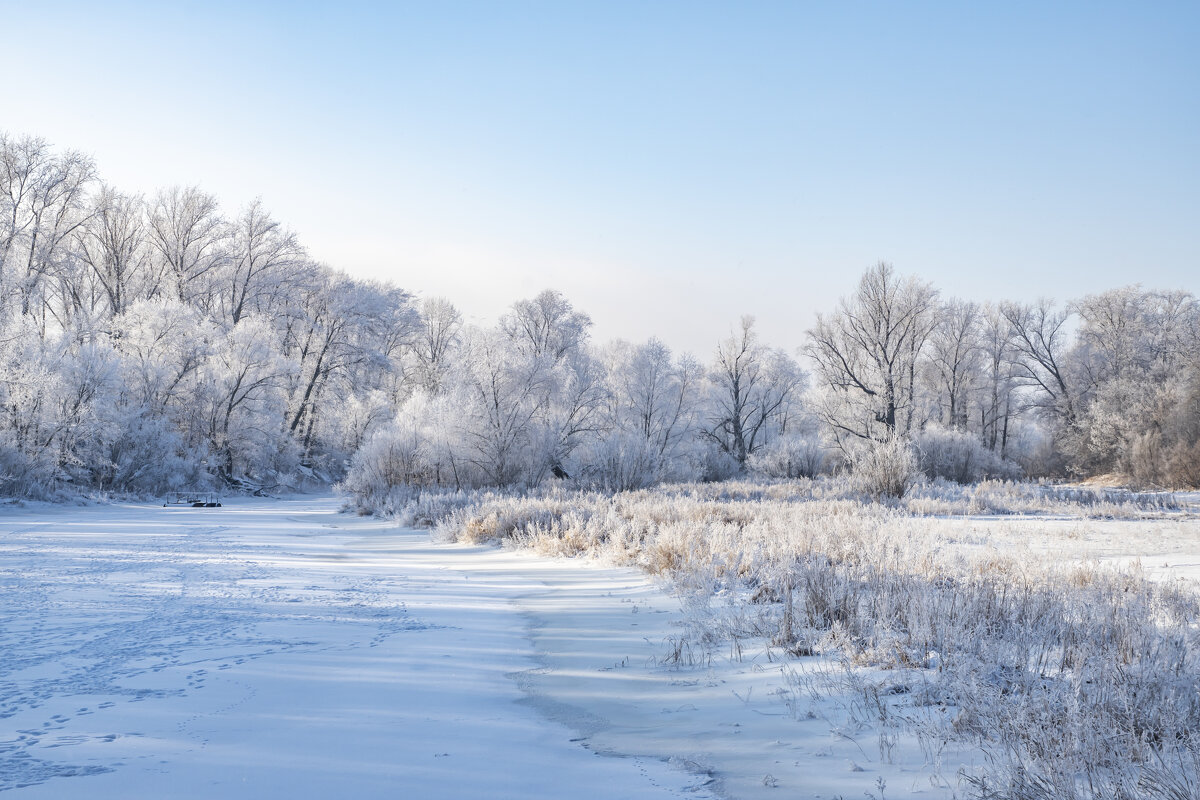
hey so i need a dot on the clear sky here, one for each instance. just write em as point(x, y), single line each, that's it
point(669, 166)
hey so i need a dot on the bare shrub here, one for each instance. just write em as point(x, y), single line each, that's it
point(959, 456)
point(389, 469)
point(885, 468)
point(792, 457)
point(1183, 465)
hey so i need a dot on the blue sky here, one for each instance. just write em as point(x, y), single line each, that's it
point(669, 166)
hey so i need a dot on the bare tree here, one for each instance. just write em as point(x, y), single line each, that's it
point(42, 203)
point(548, 325)
point(113, 245)
point(999, 378)
point(243, 402)
point(752, 392)
point(265, 261)
point(1040, 338)
point(652, 395)
point(337, 329)
point(954, 354)
point(189, 235)
point(867, 352)
point(438, 333)
point(572, 412)
point(503, 391)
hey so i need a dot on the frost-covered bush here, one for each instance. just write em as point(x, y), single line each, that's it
point(959, 456)
point(1154, 462)
point(1183, 465)
point(26, 472)
point(395, 458)
point(793, 456)
point(943, 498)
point(884, 468)
point(150, 457)
point(622, 462)
point(714, 465)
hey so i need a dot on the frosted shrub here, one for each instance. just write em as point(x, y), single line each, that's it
point(149, 457)
point(885, 468)
point(1145, 462)
point(1152, 462)
point(622, 462)
point(959, 456)
point(26, 472)
point(395, 458)
point(1183, 465)
point(796, 456)
point(942, 497)
point(715, 465)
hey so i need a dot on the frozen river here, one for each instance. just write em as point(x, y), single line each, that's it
point(278, 648)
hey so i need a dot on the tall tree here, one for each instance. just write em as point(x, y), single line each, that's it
point(652, 395)
point(265, 262)
point(42, 203)
point(188, 234)
point(867, 352)
point(1040, 337)
point(999, 378)
point(437, 335)
point(548, 325)
point(955, 353)
point(113, 246)
point(753, 388)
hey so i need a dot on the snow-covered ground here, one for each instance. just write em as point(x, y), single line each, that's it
point(278, 648)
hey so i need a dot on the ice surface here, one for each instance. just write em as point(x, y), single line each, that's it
point(275, 649)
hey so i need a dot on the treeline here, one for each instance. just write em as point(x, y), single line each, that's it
point(151, 343)
point(1108, 384)
point(157, 343)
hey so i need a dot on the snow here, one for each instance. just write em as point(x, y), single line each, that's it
point(1166, 548)
point(277, 648)
point(280, 648)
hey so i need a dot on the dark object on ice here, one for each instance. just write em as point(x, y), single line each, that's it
point(559, 472)
point(193, 499)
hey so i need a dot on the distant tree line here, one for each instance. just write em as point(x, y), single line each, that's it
point(151, 343)
point(1108, 384)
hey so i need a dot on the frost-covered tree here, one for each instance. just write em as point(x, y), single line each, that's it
point(752, 391)
point(1132, 355)
point(189, 236)
point(266, 261)
point(955, 356)
point(1040, 337)
point(43, 200)
point(436, 336)
point(145, 346)
point(868, 352)
point(244, 402)
point(501, 391)
point(999, 366)
point(31, 427)
point(160, 443)
point(547, 325)
point(336, 330)
point(122, 362)
point(650, 418)
point(653, 395)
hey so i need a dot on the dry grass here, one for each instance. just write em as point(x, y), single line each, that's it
point(1078, 681)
